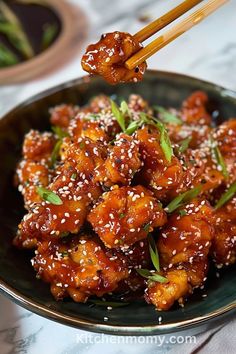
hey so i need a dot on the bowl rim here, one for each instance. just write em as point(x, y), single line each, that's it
point(90, 325)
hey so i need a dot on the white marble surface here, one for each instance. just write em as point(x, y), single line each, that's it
point(209, 52)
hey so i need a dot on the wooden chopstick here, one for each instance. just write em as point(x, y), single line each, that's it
point(165, 20)
point(180, 28)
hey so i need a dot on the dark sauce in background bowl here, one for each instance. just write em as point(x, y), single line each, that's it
point(34, 18)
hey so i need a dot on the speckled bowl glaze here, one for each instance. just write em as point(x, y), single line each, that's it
point(17, 278)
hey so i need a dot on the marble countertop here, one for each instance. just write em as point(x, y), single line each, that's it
point(208, 51)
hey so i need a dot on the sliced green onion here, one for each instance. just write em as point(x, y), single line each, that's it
point(124, 108)
point(229, 194)
point(144, 272)
point(146, 227)
point(154, 253)
point(158, 278)
point(183, 198)
point(55, 153)
point(183, 145)
point(118, 115)
point(152, 276)
point(59, 132)
point(167, 117)
point(49, 196)
point(132, 127)
point(164, 137)
point(165, 141)
point(220, 160)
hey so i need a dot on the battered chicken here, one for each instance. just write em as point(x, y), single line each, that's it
point(224, 242)
point(107, 58)
point(80, 267)
point(33, 170)
point(122, 162)
point(183, 245)
point(126, 215)
point(74, 186)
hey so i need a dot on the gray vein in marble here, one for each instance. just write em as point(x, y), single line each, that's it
point(18, 346)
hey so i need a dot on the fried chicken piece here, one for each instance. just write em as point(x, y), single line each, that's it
point(212, 175)
point(125, 215)
point(79, 267)
point(186, 236)
point(196, 133)
point(164, 295)
point(77, 191)
point(157, 174)
point(136, 103)
point(203, 170)
point(225, 135)
point(107, 58)
point(169, 179)
point(184, 245)
point(138, 256)
point(194, 109)
point(81, 127)
point(33, 170)
point(62, 114)
point(224, 242)
point(99, 103)
point(46, 220)
point(38, 146)
point(84, 154)
point(31, 175)
point(122, 162)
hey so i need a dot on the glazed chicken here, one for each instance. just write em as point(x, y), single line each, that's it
point(80, 267)
point(184, 245)
point(224, 243)
point(128, 199)
point(126, 215)
point(108, 55)
point(34, 169)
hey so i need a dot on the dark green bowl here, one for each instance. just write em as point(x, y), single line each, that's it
point(17, 278)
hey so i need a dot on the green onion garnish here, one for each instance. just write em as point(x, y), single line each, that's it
point(151, 275)
point(226, 196)
point(167, 117)
point(124, 108)
point(49, 196)
point(154, 253)
point(183, 145)
point(146, 227)
point(133, 126)
point(183, 198)
point(55, 152)
point(165, 142)
point(59, 132)
point(118, 115)
point(164, 137)
point(219, 158)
